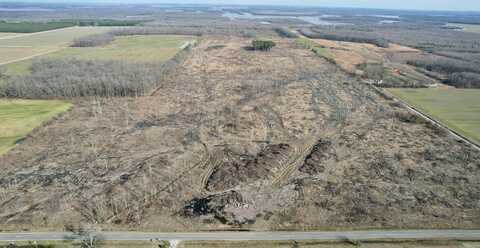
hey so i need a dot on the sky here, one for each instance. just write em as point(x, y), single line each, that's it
point(469, 5)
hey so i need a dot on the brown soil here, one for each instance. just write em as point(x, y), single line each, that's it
point(225, 141)
point(351, 55)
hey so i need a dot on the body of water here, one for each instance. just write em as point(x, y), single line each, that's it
point(24, 9)
point(317, 20)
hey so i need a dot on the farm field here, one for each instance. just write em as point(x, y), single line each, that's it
point(38, 43)
point(14, 53)
point(5, 34)
point(141, 49)
point(473, 28)
point(457, 108)
point(19, 117)
point(146, 48)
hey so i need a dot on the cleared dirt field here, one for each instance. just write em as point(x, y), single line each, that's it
point(457, 108)
point(37, 43)
point(237, 138)
point(350, 55)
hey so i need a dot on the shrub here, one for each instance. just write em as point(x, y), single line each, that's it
point(373, 71)
point(285, 32)
point(94, 40)
point(248, 33)
point(263, 45)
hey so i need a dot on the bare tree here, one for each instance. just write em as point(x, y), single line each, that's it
point(86, 234)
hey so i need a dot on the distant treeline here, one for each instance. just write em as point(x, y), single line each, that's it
point(107, 22)
point(464, 80)
point(345, 35)
point(460, 74)
point(70, 78)
point(156, 31)
point(445, 65)
point(32, 27)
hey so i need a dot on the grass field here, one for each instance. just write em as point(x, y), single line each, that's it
point(5, 35)
point(20, 117)
point(37, 43)
point(148, 48)
point(457, 108)
point(473, 28)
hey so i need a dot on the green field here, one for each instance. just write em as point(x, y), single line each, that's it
point(20, 117)
point(466, 27)
point(459, 109)
point(147, 48)
point(29, 45)
point(316, 48)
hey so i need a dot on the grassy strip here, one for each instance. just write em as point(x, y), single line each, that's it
point(459, 109)
point(323, 244)
point(19, 117)
point(316, 48)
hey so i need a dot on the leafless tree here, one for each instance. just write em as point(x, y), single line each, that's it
point(86, 234)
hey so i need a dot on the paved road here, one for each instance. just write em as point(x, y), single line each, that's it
point(326, 236)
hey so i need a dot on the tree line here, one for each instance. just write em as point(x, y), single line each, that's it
point(345, 35)
point(70, 78)
point(94, 40)
point(285, 32)
point(460, 74)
